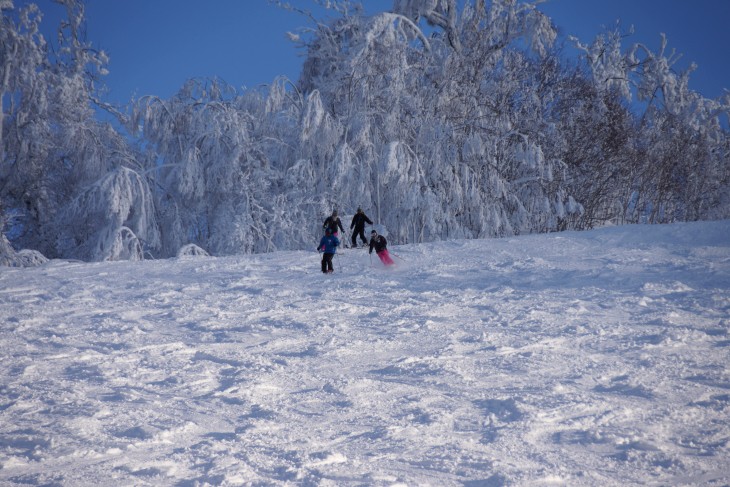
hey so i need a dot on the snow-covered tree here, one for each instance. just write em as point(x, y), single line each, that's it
point(441, 118)
point(410, 106)
point(677, 173)
point(218, 166)
point(53, 149)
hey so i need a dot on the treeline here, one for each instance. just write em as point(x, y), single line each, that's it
point(481, 128)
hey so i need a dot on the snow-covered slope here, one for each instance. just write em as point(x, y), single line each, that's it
point(581, 359)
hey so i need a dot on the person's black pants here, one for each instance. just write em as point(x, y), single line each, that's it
point(355, 233)
point(327, 262)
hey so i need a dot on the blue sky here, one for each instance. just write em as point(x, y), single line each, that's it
point(155, 45)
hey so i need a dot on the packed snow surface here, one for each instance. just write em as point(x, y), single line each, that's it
point(581, 359)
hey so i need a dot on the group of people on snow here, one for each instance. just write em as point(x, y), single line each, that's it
point(330, 241)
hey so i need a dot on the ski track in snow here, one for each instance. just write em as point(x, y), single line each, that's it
point(580, 359)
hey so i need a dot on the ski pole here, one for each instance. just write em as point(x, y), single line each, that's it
point(401, 258)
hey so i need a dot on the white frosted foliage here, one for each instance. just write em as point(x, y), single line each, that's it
point(120, 213)
point(441, 119)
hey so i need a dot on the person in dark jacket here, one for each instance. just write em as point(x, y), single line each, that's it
point(333, 223)
point(328, 247)
point(380, 245)
point(358, 223)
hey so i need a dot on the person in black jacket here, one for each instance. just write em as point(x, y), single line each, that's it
point(380, 245)
point(333, 223)
point(358, 223)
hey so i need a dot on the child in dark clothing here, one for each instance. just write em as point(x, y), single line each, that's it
point(379, 243)
point(334, 223)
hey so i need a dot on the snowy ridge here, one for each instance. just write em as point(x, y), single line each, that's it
point(581, 359)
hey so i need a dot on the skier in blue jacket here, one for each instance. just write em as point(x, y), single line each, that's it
point(328, 247)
